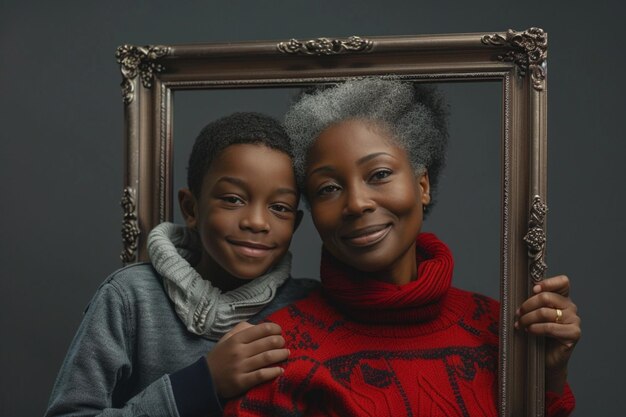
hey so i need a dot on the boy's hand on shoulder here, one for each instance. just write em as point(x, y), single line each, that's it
point(242, 358)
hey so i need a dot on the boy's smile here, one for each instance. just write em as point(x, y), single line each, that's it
point(249, 248)
point(246, 213)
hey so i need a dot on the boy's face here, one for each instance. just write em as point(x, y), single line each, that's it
point(246, 212)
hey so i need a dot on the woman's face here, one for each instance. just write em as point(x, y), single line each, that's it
point(366, 201)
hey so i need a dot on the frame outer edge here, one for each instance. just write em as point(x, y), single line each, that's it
point(536, 347)
point(131, 171)
point(446, 42)
point(149, 121)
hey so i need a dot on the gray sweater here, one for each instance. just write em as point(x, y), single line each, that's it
point(128, 343)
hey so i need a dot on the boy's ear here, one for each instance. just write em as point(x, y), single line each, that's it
point(188, 207)
point(299, 216)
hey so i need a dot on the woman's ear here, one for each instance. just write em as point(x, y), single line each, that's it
point(188, 207)
point(423, 184)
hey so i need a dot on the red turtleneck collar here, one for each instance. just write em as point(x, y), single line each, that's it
point(381, 302)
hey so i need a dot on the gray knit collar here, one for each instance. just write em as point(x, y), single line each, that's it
point(204, 309)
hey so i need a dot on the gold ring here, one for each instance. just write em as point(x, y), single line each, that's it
point(559, 315)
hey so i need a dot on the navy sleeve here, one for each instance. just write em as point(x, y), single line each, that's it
point(194, 392)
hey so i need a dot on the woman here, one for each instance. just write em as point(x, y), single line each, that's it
point(388, 335)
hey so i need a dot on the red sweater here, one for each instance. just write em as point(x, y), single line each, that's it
point(362, 347)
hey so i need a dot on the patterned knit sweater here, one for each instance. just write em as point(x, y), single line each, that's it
point(362, 347)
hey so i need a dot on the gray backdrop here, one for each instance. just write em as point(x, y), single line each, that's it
point(61, 158)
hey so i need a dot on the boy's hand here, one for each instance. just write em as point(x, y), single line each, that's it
point(240, 359)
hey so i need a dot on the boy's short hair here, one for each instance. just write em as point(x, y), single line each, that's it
point(238, 128)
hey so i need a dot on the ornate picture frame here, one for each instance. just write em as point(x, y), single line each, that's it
point(151, 75)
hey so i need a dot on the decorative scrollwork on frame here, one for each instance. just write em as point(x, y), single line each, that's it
point(536, 239)
point(139, 60)
point(325, 46)
point(529, 50)
point(130, 229)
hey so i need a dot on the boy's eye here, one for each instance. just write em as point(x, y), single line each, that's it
point(281, 208)
point(231, 199)
point(380, 174)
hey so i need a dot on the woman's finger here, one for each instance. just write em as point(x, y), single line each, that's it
point(567, 334)
point(546, 315)
point(558, 284)
point(545, 299)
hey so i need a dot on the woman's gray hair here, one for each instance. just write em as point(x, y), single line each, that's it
point(415, 115)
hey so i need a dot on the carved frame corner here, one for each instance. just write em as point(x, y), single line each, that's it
point(527, 49)
point(142, 61)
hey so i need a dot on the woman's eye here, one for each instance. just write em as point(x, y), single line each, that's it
point(327, 189)
point(381, 174)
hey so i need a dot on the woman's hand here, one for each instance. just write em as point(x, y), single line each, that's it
point(241, 358)
point(551, 313)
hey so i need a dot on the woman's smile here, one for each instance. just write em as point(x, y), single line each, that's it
point(367, 236)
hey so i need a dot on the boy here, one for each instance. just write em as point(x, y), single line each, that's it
point(142, 346)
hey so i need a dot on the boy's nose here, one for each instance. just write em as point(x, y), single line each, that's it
point(255, 220)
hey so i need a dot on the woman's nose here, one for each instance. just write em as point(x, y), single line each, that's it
point(357, 200)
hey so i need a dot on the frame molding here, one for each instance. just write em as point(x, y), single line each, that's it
point(151, 75)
